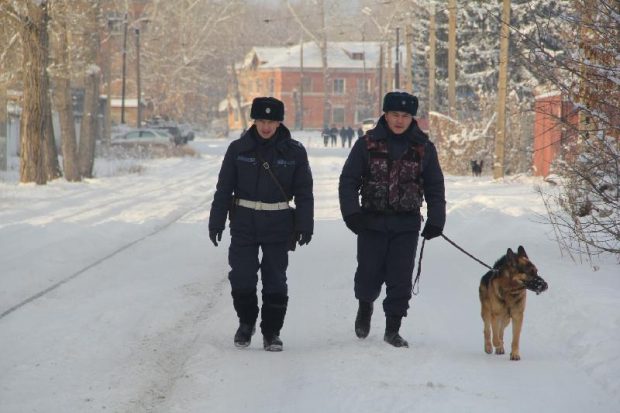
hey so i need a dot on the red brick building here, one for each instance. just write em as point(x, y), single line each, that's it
point(553, 113)
point(278, 72)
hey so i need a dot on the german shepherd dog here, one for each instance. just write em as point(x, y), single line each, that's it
point(502, 296)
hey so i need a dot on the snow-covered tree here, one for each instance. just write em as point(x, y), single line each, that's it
point(585, 210)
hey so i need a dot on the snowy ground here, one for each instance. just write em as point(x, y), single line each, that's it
point(113, 299)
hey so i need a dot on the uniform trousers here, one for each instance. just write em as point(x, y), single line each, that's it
point(386, 257)
point(243, 258)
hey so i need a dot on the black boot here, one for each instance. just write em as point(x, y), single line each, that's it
point(392, 325)
point(243, 336)
point(272, 320)
point(246, 306)
point(272, 343)
point(362, 321)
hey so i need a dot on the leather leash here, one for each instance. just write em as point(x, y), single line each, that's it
point(416, 281)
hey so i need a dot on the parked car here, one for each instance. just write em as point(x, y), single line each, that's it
point(144, 136)
point(172, 130)
point(187, 132)
point(368, 124)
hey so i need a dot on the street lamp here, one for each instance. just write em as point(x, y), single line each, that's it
point(138, 85)
point(124, 69)
point(138, 25)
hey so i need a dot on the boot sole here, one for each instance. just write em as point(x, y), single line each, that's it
point(273, 347)
point(361, 333)
point(397, 344)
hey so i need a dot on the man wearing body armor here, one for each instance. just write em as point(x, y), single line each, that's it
point(394, 167)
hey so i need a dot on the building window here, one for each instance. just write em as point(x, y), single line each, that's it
point(338, 115)
point(259, 86)
point(271, 87)
point(338, 86)
point(363, 86)
point(357, 56)
point(307, 82)
point(361, 113)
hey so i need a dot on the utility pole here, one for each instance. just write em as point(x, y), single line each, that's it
point(301, 83)
point(380, 77)
point(326, 94)
point(244, 122)
point(124, 69)
point(452, 58)
point(431, 60)
point(500, 133)
point(389, 75)
point(397, 61)
point(139, 87)
point(408, 77)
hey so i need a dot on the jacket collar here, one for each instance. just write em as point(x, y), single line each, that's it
point(250, 139)
point(382, 132)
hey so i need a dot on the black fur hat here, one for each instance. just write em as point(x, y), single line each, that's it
point(267, 108)
point(400, 102)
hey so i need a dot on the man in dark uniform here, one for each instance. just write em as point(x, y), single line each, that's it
point(394, 167)
point(261, 173)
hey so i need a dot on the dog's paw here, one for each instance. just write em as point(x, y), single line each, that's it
point(488, 349)
point(499, 350)
point(515, 356)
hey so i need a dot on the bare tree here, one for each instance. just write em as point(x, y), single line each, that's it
point(183, 41)
point(88, 129)
point(585, 208)
point(61, 72)
point(30, 18)
point(320, 39)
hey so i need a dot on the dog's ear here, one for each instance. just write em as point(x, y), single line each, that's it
point(521, 252)
point(510, 256)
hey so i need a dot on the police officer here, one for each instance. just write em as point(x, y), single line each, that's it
point(394, 167)
point(261, 173)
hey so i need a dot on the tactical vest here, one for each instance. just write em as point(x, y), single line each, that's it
point(392, 185)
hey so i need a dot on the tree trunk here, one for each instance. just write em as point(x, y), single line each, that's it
point(88, 129)
point(500, 133)
point(452, 58)
point(52, 167)
point(50, 154)
point(35, 98)
point(64, 105)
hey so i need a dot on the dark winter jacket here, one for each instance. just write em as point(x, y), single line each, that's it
point(242, 176)
point(356, 169)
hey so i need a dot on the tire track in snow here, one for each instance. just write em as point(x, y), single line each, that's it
point(101, 260)
point(119, 200)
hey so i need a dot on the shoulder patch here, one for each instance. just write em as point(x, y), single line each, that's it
point(297, 143)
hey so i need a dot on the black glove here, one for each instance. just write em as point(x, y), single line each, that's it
point(355, 222)
point(215, 236)
point(431, 231)
point(303, 238)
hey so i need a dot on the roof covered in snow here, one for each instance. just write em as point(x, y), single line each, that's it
point(340, 55)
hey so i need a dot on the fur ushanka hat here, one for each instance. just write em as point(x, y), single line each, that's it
point(400, 102)
point(267, 108)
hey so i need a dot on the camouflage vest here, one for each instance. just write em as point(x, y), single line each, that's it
point(392, 185)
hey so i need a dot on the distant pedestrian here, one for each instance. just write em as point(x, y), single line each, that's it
point(360, 132)
point(333, 132)
point(343, 135)
point(350, 134)
point(261, 173)
point(326, 136)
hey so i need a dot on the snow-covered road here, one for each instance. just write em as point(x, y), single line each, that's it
point(113, 299)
